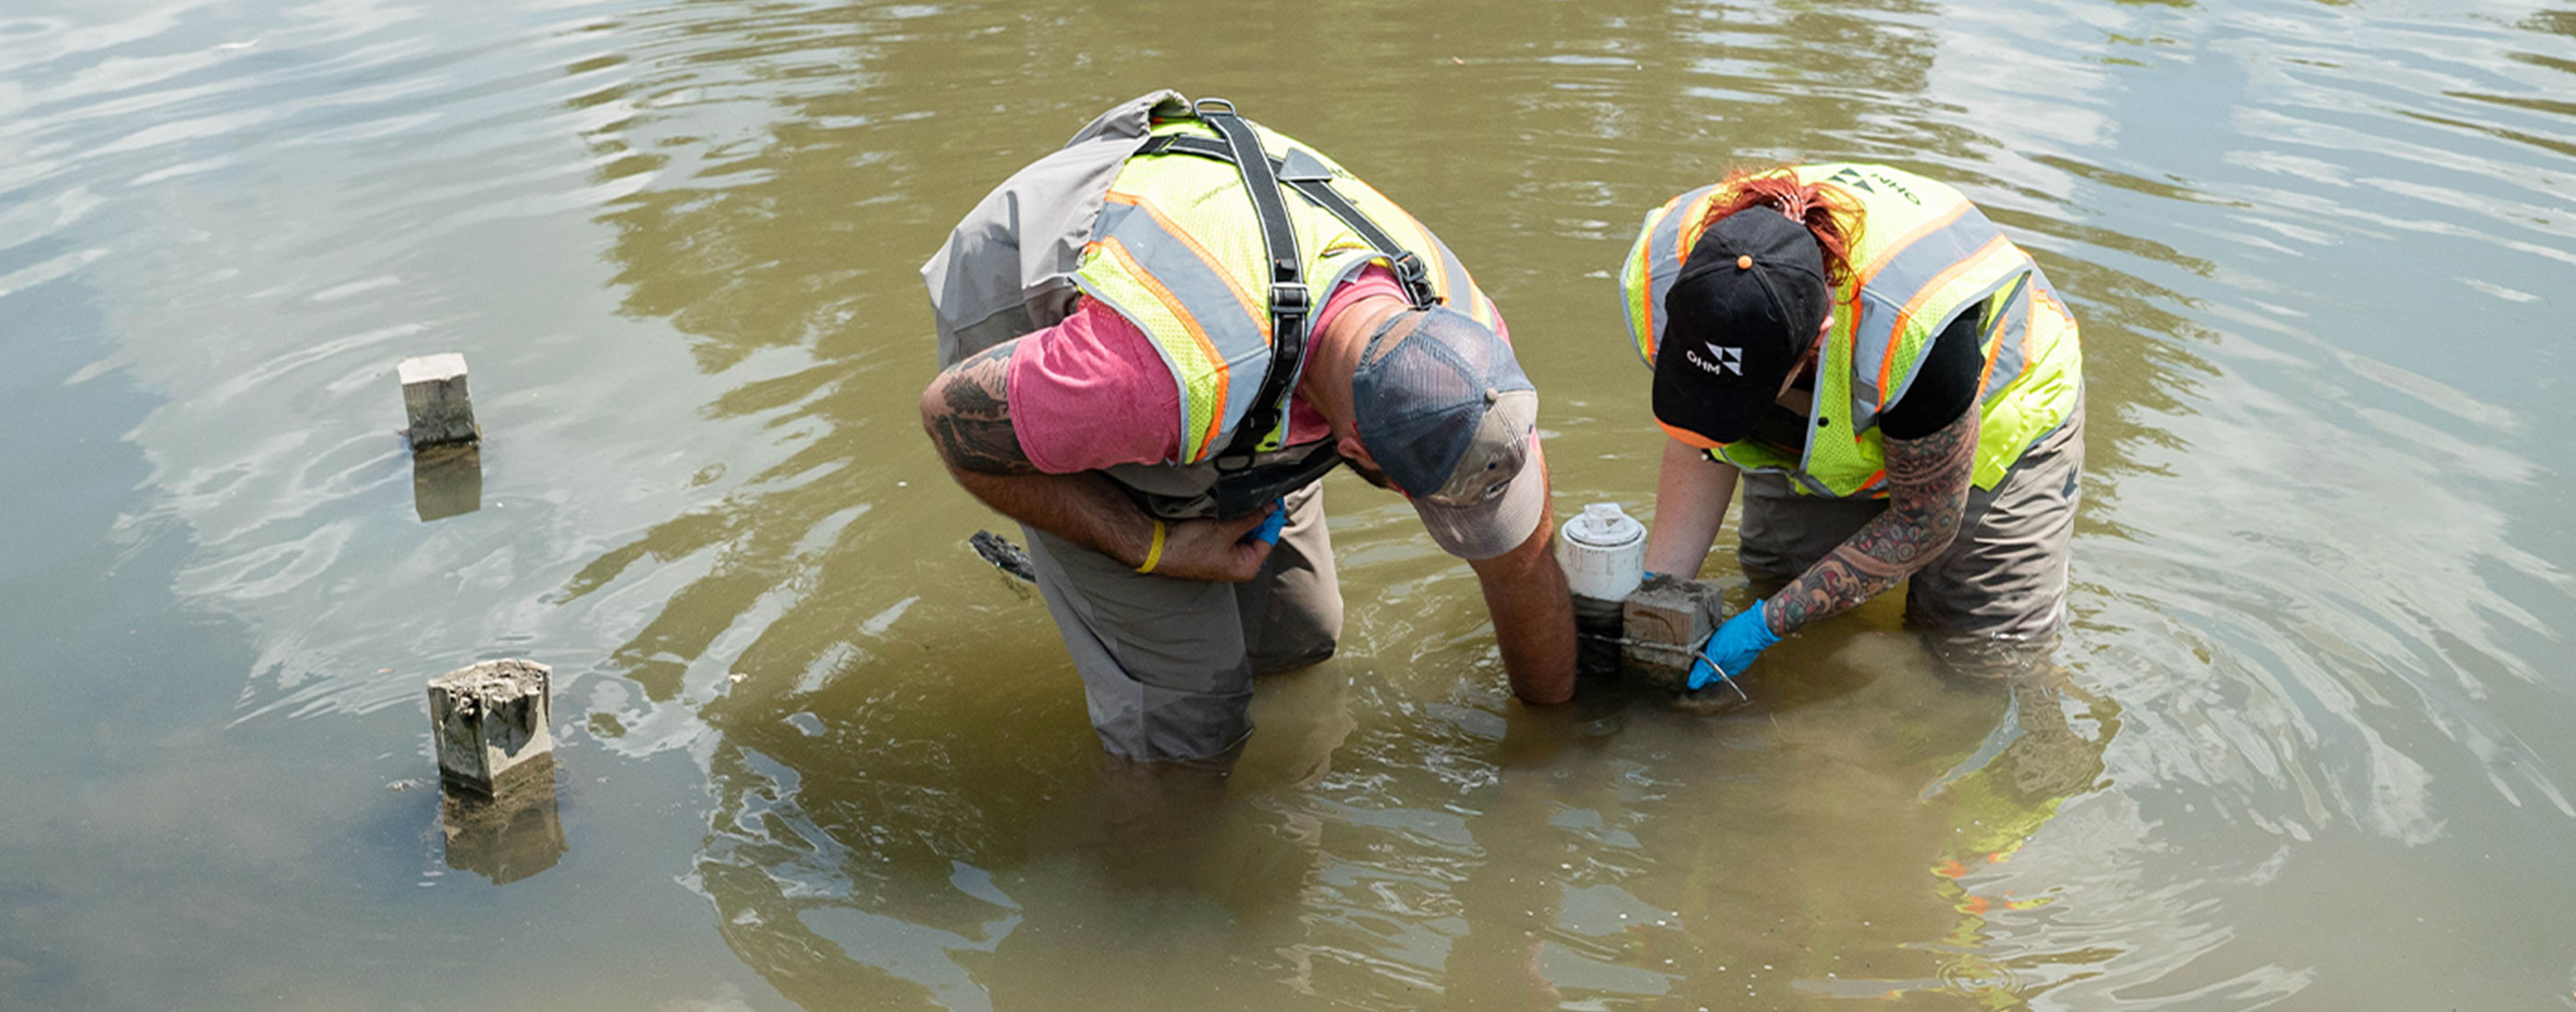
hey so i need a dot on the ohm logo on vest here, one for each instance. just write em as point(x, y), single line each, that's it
point(1853, 177)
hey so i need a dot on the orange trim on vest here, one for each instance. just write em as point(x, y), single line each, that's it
point(1241, 298)
point(1862, 279)
point(1172, 303)
point(1646, 279)
point(1905, 316)
point(2030, 326)
point(1994, 347)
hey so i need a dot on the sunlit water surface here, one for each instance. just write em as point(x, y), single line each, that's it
point(2306, 749)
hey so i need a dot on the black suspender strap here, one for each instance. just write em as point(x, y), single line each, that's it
point(1408, 267)
point(1318, 191)
point(1290, 302)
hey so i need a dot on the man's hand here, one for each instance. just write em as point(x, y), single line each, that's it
point(1218, 551)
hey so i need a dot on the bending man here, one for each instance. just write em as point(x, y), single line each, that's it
point(1157, 340)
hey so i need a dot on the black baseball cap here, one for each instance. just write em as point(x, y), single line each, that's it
point(1742, 311)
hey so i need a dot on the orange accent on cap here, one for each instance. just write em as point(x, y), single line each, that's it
point(1688, 438)
point(1744, 262)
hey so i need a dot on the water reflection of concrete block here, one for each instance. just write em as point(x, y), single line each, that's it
point(447, 481)
point(434, 399)
point(509, 835)
point(1664, 622)
point(490, 722)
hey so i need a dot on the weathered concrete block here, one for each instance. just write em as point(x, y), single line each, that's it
point(491, 722)
point(1662, 623)
point(435, 401)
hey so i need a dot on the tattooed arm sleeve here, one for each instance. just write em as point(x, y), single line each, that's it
point(967, 411)
point(1928, 481)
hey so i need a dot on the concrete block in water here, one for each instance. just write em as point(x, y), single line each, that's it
point(490, 721)
point(435, 401)
point(1663, 623)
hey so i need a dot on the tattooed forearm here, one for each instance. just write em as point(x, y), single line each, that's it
point(1928, 481)
point(967, 412)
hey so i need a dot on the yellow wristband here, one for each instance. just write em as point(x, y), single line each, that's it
point(1154, 555)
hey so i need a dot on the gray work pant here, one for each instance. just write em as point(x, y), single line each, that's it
point(1167, 664)
point(2004, 577)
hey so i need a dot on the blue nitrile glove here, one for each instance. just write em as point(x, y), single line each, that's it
point(1268, 532)
point(1732, 648)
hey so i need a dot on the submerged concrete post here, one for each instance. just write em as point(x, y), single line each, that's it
point(491, 724)
point(1664, 620)
point(447, 481)
point(435, 401)
point(510, 835)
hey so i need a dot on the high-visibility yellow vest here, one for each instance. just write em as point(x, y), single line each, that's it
point(1177, 250)
point(1924, 256)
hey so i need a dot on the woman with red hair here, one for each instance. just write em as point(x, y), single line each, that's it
point(1895, 385)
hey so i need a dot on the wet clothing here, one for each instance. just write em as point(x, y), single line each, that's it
point(1167, 664)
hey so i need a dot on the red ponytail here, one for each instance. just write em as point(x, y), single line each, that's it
point(1829, 215)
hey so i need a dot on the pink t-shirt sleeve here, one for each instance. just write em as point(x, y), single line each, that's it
point(1092, 392)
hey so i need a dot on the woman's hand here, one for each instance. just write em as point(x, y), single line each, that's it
point(1732, 648)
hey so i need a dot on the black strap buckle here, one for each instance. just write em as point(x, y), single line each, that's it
point(1416, 280)
point(1290, 298)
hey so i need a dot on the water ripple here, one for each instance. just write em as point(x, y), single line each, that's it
point(2320, 582)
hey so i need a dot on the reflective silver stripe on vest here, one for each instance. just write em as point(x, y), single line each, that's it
point(1205, 297)
point(1897, 282)
point(2017, 320)
point(1664, 261)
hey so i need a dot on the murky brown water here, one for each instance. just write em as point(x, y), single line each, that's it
point(2308, 751)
